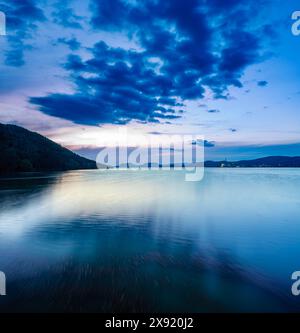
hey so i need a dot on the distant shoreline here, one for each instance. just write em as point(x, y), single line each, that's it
point(265, 162)
point(25, 151)
point(46, 174)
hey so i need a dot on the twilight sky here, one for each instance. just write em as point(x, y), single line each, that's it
point(78, 70)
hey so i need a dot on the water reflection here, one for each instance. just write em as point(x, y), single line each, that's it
point(149, 241)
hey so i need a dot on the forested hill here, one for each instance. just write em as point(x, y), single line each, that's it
point(25, 151)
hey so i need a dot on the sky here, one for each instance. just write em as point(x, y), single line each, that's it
point(78, 70)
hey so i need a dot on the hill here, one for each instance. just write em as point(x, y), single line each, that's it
point(25, 151)
point(265, 162)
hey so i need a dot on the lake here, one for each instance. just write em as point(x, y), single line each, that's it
point(148, 241)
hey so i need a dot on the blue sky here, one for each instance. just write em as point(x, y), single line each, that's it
point(229, 70)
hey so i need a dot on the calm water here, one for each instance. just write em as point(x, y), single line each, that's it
point(149, 241)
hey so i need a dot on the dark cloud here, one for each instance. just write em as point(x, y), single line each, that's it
point(206, 143)
point(115, 86)
point(262, 83)
point(72, 43)
point(155, 133)
point(64, 15)
point(185, 48)
point(209, 144)
point(22, 17)
point(213, 111)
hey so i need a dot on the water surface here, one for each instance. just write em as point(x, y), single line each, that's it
point(123, 241)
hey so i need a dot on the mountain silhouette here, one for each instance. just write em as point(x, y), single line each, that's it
point(265, 162)
point(25, 151)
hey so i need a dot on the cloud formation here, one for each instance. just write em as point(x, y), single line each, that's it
point(22, 17)
point(205, 143)
point(64, 15)
point(262, 83)
point(185, 48)
point(213, 111)
point(72, 43)
point(209, 144)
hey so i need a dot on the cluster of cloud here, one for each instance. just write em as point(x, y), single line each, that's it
point(205, 143)
point(22, 17)
point(72, 43)
point(115, 86)
point(64, 15)
point(184, 49)
point(213, 111)
point(262, 83)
